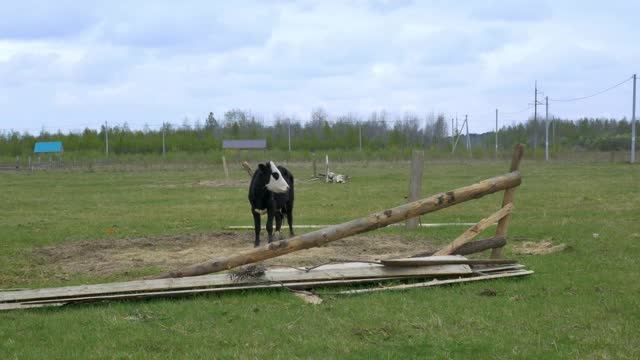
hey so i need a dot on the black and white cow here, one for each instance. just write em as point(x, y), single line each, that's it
point(271, 192)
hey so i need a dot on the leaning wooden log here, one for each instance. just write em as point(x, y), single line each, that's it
point(371, 222)
point(475, 230)
point(444, 260)
point(509, 197)
point(471, 247)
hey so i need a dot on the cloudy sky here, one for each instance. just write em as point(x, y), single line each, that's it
point(73, 64)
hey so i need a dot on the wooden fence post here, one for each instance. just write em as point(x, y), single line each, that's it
point(509, 197)
point(226, 170)
point(415, 184)
point(326, 173)
point(314, 165)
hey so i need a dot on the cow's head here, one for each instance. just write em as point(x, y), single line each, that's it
point(273, 178)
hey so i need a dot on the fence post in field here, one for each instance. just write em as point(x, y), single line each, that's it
point(326, 173)
point(415, 184)
point(509, 197)
point(314, 165)
point(224, 165)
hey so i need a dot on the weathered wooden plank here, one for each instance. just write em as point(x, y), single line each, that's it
point(436, 282)
point(186, 292)
point(475, 230)
point(325, 272)
point(371, 222)
point(509, 198)
point(443, 260)
point(18, 306)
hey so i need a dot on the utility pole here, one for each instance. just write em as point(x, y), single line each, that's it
point(633, 123)
point(496, 133)
point(466, 121)
point(289, 131)
point(106, 137)
point(452, 133)
point(360, 134)
point(535, 119)
point(546, 129)
point(164, 134)
point(553, 133)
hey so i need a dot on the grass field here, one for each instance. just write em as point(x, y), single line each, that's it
point(582, 303)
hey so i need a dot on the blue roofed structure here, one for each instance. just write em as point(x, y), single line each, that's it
point(48, 147)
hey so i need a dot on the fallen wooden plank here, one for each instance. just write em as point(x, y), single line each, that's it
point(436, 282)
point(18, 306)
point(186, 292)
point(314, 226)
point(475, 230)
point(443, 260)
point(488, 269)
point(325, 272)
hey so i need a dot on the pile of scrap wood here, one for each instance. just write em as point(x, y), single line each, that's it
point(438, 270)
point(334, 178)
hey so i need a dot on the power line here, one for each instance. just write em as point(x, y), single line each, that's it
point(592, 95)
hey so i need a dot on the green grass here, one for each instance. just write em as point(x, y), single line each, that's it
point(581, 303)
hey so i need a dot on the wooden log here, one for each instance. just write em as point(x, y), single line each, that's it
point(475, 230)
point(415, 184)
point(471, 247)
point(371, 222)
point(509, 197)
point(247, 167)
point(438, 282)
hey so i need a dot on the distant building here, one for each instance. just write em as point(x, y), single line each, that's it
point(48, 147)
point(245, 144)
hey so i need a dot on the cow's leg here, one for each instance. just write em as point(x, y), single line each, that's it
point(278, 223)
point(270, 215)
point(256, 224)
point(290, 220)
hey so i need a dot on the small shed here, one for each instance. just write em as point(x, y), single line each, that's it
point(47, 147)
point(260, 144)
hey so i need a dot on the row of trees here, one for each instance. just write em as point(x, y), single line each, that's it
point(350, 131)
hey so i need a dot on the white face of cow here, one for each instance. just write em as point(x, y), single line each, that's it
point(277, 183)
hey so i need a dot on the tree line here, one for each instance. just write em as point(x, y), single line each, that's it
point(376, 131)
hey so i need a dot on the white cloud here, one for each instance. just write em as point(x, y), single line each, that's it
point(149, 62)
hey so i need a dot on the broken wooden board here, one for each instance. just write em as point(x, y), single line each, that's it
point(443, 260)
point(436, 282)
point(353, 270)
point(314, 226)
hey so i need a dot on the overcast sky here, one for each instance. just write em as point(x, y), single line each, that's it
point(72, 64)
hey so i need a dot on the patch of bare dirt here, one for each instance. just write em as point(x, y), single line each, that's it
point(100, 258)
point(537, 248)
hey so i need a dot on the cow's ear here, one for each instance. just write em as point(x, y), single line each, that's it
point(262, 168)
